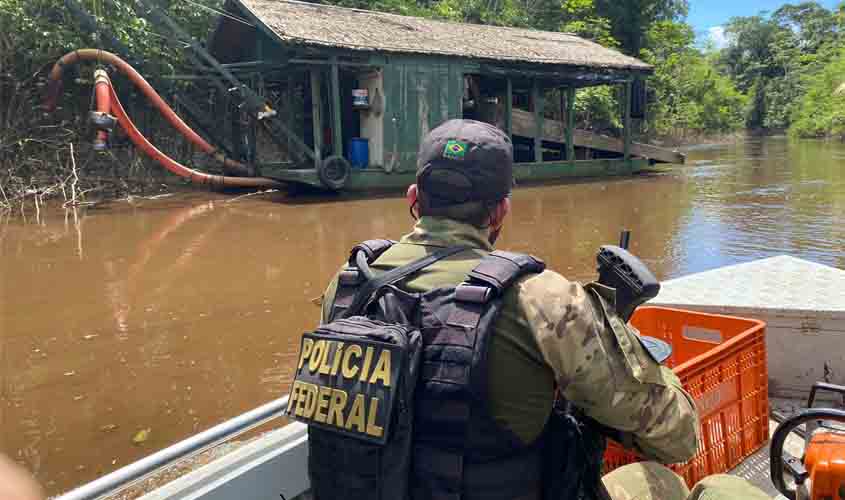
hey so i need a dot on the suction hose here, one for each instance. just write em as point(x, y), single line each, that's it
point(172, 165)
point(55, 87)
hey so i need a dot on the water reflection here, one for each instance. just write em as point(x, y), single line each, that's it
point(178, 313)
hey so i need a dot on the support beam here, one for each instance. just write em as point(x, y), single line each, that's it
point(538, 103)
point(317, 116)
point(337, 131)
point(509, 109)
point(627, 121)
point(570, 124)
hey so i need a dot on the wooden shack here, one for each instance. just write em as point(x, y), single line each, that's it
point(357, 90)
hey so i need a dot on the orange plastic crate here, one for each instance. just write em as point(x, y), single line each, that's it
point(721, 361)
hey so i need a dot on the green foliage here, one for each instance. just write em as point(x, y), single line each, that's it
point(691, 95)
point(632, 19)
point(769, 57)
point(822, 109)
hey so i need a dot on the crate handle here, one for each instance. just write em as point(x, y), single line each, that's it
point(703, 334)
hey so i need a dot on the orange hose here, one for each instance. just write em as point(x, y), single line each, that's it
point(172, 165)
point(101, 90)
point(55, 86)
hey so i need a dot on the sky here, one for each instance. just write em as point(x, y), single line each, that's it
point(708, 16)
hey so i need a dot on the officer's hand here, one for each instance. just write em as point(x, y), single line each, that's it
point(16, 483)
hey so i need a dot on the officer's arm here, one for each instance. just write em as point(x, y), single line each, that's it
point(605, 371)
point(328, 300)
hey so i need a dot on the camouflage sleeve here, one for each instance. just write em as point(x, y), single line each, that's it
point(601, 368)
point(327, 300)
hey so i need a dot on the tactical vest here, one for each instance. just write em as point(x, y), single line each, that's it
point(443, 443)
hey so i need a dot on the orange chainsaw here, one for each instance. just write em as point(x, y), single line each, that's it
point(820, 473)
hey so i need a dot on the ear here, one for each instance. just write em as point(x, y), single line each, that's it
point(412, 197)
point(503, 208)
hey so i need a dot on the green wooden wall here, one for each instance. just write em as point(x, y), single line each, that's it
point(420, 93)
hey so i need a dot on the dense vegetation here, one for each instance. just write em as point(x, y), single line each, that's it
point(779, 70)
point(789, 62)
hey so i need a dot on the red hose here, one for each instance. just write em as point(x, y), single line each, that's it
point(55, 86)
point(172, 165)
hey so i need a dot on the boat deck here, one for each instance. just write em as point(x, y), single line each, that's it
point(801, 302)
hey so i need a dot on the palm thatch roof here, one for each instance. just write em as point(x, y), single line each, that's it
point(327, 26)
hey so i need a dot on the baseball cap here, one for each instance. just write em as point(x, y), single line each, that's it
point(465, 160)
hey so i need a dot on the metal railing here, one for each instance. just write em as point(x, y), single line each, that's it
point(183, 449)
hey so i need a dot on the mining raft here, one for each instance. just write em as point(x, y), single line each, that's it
point(339, 98)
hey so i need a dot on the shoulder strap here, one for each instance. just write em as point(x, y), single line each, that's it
point(498, 270)
point(362, 295)
point(488, 281)
point(372, 248)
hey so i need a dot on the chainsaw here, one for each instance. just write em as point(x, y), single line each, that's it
point(820, 473)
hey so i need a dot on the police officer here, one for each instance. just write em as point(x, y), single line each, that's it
point(551, 334)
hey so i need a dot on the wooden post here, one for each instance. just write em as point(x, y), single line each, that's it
point(317, 117)
point(537, 101)
point(570, 124)
point(288, 96)
point(627, 121)
point(337, 130)
point(509, 109)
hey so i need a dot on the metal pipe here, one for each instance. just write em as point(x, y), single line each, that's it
point(157, 460)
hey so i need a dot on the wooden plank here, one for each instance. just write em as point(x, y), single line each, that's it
point(337, 130)
point(537, 104)
point(626, 122)
point(509, 108)
point(317, 117)
point(570, 124)
point(523, 124)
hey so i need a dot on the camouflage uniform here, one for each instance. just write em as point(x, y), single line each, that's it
point(652, 481)
point(551, 332)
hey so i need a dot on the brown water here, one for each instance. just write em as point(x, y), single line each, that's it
point(175, 314)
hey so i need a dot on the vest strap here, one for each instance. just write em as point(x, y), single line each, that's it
point(372, 248)
point(363, 293)
point(500, 269)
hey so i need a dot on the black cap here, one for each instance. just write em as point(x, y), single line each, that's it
point(465, 160)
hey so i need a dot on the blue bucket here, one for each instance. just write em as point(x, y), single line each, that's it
point(359, 152)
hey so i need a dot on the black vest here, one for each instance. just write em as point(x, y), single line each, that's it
point(457, 450)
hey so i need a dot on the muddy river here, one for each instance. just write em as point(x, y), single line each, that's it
point(124, 329)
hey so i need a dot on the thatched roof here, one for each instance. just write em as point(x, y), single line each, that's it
point(329, 26)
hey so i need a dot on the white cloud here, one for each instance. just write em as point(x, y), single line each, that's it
point(718, 37)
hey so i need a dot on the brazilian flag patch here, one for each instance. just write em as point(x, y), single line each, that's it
point(455, 150)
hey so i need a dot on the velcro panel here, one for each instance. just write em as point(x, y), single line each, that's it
point(465, 315)
point(446, 372)
point(440, 471)
point(449, 335)
point(443, 414)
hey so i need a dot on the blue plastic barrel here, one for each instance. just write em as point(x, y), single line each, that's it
point(359, 152)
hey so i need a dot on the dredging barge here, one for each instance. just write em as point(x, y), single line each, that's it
point(339, 98)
